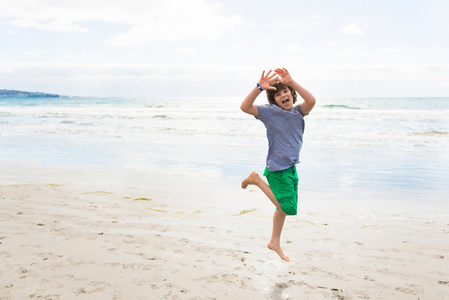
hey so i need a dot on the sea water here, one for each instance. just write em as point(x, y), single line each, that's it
point(398, 146)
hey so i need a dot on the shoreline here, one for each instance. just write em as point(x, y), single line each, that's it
point(79, 232)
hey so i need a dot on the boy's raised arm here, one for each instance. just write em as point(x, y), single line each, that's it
point(248, 103)
point(309, 99)
point(264, 84)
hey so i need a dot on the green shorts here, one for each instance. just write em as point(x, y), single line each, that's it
point(284, 185)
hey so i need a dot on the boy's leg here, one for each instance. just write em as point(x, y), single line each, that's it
point(255, 179)
point(275, 242)
point(278, 217)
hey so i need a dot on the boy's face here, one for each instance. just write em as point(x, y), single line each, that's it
point(284, 98)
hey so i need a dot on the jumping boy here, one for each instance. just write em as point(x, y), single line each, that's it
point(285, 127)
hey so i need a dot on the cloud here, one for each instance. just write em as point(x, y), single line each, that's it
point(149, 80)
point(292, 48)
point(186, 51)
point(286, 25)
point(56, 25)
point(147, 20)
point(390, 51)
point(377, 80)
point(123, 80)
point(356, 51)
point(363, 52)
point(352, 29)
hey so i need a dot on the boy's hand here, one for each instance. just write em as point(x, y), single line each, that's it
point(285, 76)
point(266, 80)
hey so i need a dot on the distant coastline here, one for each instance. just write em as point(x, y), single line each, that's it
point(23, 94)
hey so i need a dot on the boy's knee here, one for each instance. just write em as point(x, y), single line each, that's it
point(289, 204)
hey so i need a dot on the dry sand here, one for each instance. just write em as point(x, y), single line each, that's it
point(69, 233)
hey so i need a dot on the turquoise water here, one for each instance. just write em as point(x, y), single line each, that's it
point(398, 146)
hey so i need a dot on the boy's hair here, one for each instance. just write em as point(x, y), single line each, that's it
point(279, 87)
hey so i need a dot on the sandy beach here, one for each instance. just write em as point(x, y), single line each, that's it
point(127, 128)
point(70, 233)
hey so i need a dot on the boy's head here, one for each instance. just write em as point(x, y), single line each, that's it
point(279, 87)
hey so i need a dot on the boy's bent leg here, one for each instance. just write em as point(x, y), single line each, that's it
point(254, 179)
point(279, 215)
point(275, 242)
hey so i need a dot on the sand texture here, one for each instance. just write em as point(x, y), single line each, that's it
point(77, 235)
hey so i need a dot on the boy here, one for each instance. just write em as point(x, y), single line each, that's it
point(285, 128)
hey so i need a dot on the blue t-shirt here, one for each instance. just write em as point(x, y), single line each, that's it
point(285, 129)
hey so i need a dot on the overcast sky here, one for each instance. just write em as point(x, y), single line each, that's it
point(191, 48)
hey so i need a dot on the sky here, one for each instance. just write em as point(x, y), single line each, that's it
point(208, 48)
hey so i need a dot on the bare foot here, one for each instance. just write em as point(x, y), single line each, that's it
point(252, 179)
point(278, 250)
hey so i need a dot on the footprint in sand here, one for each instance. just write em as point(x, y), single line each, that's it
point(53, 296)
point(281, 285)
point(209, 279)
point(134, 266)
point(5, 254)
point(361, 294)
point(140, 281)
point(184, 241)
point(79, 291)
point(49, 255)
point(113, 264)
point(411, 290)
point(230, 278)
point(96, 286)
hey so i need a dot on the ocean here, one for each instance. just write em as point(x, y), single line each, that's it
point(356, 147)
